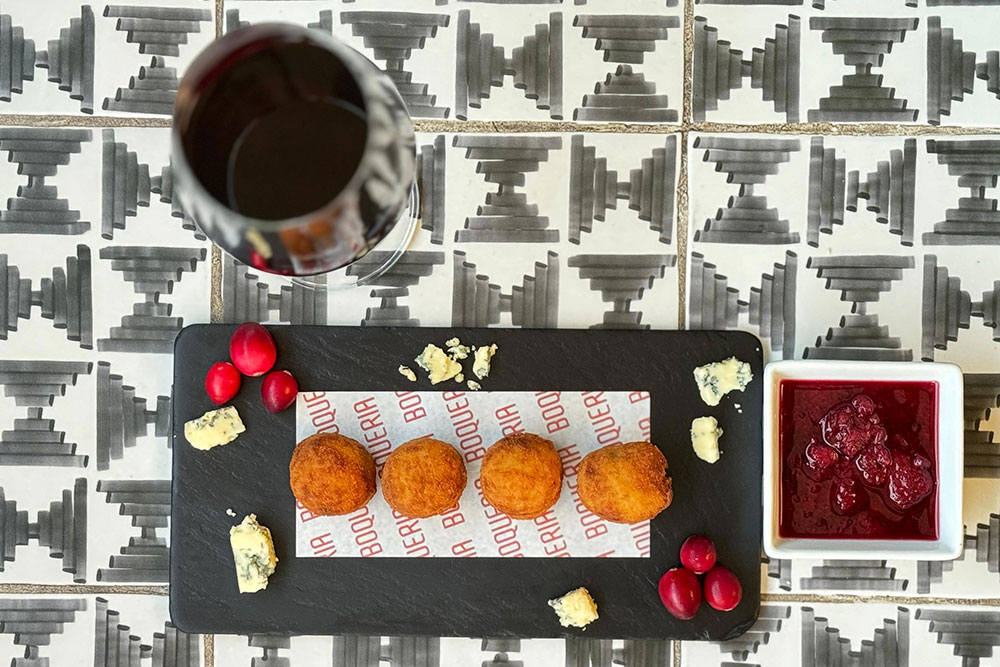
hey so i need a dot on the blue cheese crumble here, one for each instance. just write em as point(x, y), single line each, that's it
point(718, 378)
point(439, 366)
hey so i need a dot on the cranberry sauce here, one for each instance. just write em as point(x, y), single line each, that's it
point(858, 459)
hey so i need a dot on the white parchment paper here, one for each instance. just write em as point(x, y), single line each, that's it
point(577, 422)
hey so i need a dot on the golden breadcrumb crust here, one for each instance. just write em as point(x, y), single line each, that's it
point(423, 477)
point(332, 474)
point(625, 483)
point(521, 475)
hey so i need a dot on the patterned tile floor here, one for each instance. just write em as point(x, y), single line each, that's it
point(794, 156)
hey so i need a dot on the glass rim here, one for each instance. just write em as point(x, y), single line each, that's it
point(217, 51)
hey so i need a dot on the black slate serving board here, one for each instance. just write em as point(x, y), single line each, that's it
point(473, 597)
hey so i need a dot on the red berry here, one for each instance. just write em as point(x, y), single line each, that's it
point(252, 349)
point(722, 589)
point(819, 460)
point(698, 554)
point(850, 427)
point(910, 480)
point(865, 406)
point(873, 463)
point(680, 593)
point(847, 497)
point(278, 391)
point(222, 382)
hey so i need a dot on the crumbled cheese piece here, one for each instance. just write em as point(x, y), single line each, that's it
point(575, 609)
point(253, 552)
point(439, 366)
point(705, 434)
point(481, 367)
point(717, 379)
point(406, 372)
point(473, 385)
point(230, 512)
point(460, 378)
point(214, 428)
point(456, 349)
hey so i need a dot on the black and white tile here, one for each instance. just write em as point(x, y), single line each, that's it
point(836, 634)
point(881, 232)
point(566, 230)
point(845, 61)
point(98, 275)
point(99, 58)
point(588, 62)
point(354, 651)
point(102, 630)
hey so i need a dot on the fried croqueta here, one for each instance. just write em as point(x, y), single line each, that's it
point(625, 483)
point(423, 477)
point(332, 474)
point(521, 475)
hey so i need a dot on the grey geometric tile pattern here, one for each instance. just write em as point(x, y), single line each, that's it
point(822, 245)
point(115, 629)
point(37, 208)
point(82, 58)
point(85, 417)
point(913, 62)
point(592, 63)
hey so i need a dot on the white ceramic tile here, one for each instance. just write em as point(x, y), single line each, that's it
point(101, 59)
point(102, 630)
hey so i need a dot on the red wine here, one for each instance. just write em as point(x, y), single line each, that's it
point(295, 159)
point(280, 132)
point(292, 151)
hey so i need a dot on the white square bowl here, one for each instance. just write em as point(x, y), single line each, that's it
point(950, 455)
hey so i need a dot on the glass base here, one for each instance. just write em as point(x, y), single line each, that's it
point(379, 259)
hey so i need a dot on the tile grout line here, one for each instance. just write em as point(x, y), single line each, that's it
point(209, 649)
point(80, 589)
point(875, 599)
point(682, 233)
point(683, 202)
point(216, 275)
point(687, 86)
point(523, 126)
point(842, 129)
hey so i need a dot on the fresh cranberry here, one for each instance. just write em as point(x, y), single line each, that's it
point(910, 481)
point(819, 460)
point(698, 554)
point(722, 589)
point(680, 593)
point(222, 382)
point(873, 463)
point(252, 349)
point(278, 391)
point(848, 497)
